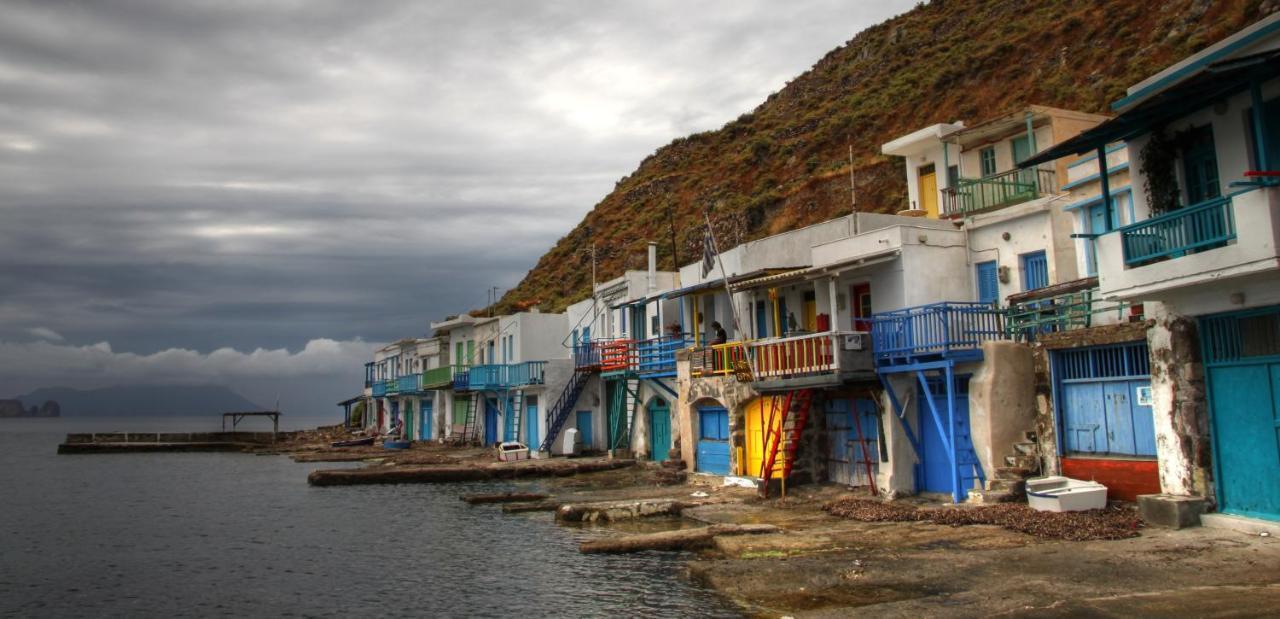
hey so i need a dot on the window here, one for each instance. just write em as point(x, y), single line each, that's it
point(1200, 166)
point(1271, 112)
point(988, 282)
point(1021, 148)
point(987, 157)
point(1035, 270)
point(953, 176)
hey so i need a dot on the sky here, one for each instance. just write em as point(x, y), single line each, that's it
point(259, 193)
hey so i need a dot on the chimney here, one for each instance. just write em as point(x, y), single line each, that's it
point(653, 266)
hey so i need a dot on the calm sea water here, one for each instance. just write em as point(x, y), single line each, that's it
point(234, 534)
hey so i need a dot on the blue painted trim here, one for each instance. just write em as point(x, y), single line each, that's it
point(1093, 177)
point(1196, 65)
point(1087, 202)
point(1092, 156)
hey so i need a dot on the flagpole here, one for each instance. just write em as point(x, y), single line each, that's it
point(733, 305)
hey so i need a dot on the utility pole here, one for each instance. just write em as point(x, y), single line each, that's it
point(853, 191)
point(675, 254)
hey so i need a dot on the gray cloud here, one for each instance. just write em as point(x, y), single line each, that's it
point(201, 175)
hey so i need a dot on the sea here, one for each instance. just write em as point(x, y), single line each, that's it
point(144, 535)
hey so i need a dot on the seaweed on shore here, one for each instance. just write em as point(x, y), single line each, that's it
point(1100, 524)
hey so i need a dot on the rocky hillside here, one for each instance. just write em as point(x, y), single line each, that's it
point(786, 163)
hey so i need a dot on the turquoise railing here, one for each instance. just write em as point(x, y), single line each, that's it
point(658, 355)
point(1185, 231)
point(409, 383)
point(505, 376)
point(379, 388)
point(1025, 320)
point(998, 190)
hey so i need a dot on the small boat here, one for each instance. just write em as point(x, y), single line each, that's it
point(390, 444)
point(1064, 494)
point(355, 442)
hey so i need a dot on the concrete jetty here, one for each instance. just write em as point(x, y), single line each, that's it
point(150, 442)
point(448, 473)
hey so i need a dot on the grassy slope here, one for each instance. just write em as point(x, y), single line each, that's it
point(786, 163)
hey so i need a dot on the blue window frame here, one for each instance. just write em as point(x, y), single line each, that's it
point(988, 281)
point(1035, 270)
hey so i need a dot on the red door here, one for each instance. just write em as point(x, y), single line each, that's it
point(861, 294)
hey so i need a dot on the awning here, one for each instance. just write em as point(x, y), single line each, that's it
point(854, 263)
point(1214, 83)
point(734, 280)
point(774, 279)
point(351, 401)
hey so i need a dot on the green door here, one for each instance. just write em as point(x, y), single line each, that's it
point(659, 429)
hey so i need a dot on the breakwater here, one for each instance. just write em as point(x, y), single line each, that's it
point(139, 442)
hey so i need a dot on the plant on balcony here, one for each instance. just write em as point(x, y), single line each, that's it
point(1157, 162)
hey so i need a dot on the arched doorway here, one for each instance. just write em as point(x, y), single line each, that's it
point(659, 429)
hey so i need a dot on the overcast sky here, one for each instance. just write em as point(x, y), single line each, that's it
point(234, 192)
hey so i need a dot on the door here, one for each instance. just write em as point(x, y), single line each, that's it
point(1104, 394)
point(471, 354)
point(490, 421)
point(410, 421)
point(713, 440)
point(761, 413)
point(1097, 224)
point(531, 422)
point(861, 294)
point(852, 442)
point(427, 420)
point(762, 320)
point(934, 469)
point(1035, 270)
point(659, 429)
point(987, 274)
point(583, 419)
point(1200, 166)
point(811, 312)
point(382, 415)
point(929, 191)
point(839, 432)
point(1242, 355)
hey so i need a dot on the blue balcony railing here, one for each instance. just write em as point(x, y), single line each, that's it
point(410, 383)
point(505, 376)
point(1199, 227)
point(586, 354)
point(461, 378)
point(379, 388)
point(935, 331)
point(658, 355)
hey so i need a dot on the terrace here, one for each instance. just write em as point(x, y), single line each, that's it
point(949, 331)
point(976, 195)
point(502, 376)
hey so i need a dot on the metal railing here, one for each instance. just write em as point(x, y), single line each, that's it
point(461, 378)
point(586, 354)
point(658, 355)
point(616, 355)
point(379, 388)
point(505, 375)
point(1025, 320)
point(935, 330)
point(813, 353)
point(717, 359)
point(1199, 227)
point(971, 195)
point(409, 383)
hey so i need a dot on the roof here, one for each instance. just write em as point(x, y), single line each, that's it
point(1212, 83)
point(720, 281)
point(351, 400)
point(1016, 122)
point(912, 143)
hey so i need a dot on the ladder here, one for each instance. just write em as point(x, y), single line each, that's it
point(862, 447)
point(468, 425)
point(514, 418)
point(559, 412)
point(624, 400)
point(782, 432)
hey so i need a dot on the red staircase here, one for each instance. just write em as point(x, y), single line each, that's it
point(782, 432)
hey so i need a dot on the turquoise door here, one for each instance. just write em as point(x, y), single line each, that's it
point(584, 429)
point(713, 440)
point(659, 429)
point(531, 423)
point(490, 421)
point(426, 422)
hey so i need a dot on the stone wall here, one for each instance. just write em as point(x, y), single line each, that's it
point(1179, 407)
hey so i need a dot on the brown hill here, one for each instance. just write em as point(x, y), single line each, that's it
point(786, 163)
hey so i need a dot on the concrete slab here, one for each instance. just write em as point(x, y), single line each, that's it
point(1240, 524)
point(1174, 512)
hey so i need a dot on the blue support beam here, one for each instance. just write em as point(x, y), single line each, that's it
point(900, 413)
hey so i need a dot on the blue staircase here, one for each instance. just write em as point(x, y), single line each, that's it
point(563, 407)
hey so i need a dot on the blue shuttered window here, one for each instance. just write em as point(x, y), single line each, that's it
point(1035, 270)
point(988, 282)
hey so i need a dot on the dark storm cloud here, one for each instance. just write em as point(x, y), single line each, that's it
point(200, 175)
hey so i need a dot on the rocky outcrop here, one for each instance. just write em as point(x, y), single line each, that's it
point(15, 408)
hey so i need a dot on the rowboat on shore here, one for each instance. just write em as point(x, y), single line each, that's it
point(355, 442)
point(395, 444)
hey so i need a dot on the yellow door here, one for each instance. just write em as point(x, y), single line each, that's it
point(929, 191)
point(757, 418)
point(810, 315)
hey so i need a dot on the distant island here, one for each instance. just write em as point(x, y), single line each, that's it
point(127, 401)
point(16, 408)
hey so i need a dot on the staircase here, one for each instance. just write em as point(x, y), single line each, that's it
point(559, 412)
point(468, 426)
point(784, 434)
point(1009, 482)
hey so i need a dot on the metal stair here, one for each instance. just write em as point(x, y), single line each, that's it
point(559, 412)
point(622, 411)
point(784, 435)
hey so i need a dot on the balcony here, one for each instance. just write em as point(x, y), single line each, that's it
point(379, 388)
point(975, 195)
point(1064, 307)
point(1231, 236)
point(586, 355)
point(939, 331)
point(409, 383)
point(461, 378)
point(438, 378)
point(616, 356)
point(657, 357)
point(498, 377)
point(717, 359)
point(813, 359)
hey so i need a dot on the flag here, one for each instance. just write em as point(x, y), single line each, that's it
point(708, 252)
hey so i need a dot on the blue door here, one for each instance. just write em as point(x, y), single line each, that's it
point(934, 469)
point(1242, 358)
point(988, 282)
point(425, 430)
point(852, 441)
point(762, 320)
point(1104, 396)
point(659, 429)
point(713, 440)
point(584, 429)
point(1035, 270)
point(490, 421)
point(531, 422)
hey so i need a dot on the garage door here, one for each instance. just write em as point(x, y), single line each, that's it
point(713, 440)
point(1242, 359)
point(852, 444)
point(1105, 396)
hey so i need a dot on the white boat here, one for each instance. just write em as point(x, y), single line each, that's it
point(1064, 494)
